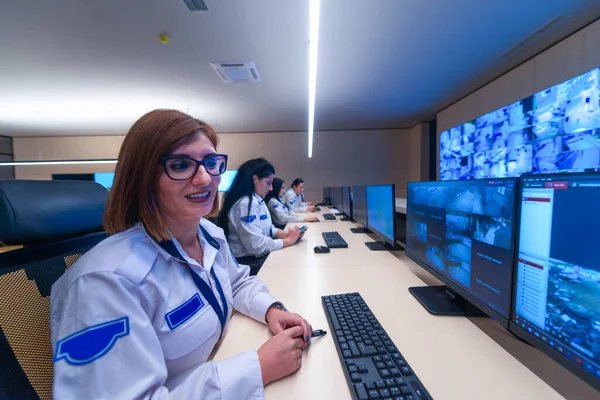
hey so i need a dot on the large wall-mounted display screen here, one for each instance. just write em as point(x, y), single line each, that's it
point(555, 130)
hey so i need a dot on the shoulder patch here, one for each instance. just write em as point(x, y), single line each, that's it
point(263, 217)
point(249, 219)
point(184, 312)
point(91, 343)
point(275, 205)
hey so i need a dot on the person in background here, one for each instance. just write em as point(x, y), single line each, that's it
point(280, 213)
point(294, 198)
point(138, 315)
point(245, 217)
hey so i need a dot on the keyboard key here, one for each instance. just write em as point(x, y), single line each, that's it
point(409, 397)
point(362, 368)
point(384, 393)
point(355, 377)
point(378, 359)
point(418, 391)
point(400, 382)
point(390, 382)
point(373, 394)
point(352, 368)
point(361, 392)
point(366, 350)
point(406, 371)
point(370, 385)
point(385, 373)
point(386, 358)
point(390, 364)
point(380, 365)
point(347, 353)
point(380, 384)
point(344, 346)
point(395, 372)
point(395, 391)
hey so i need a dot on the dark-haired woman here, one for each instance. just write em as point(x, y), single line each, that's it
point(245, 217)
point(280, 213)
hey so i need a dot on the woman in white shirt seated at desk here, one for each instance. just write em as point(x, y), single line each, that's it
point(245, 217)
point(280, 213)
point(137, 316)
point(294, 198)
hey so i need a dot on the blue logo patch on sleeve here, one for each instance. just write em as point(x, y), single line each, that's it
point(91, 343)
point(249, 219)
point(275, 205)
point(263, 217)
point(184, 312)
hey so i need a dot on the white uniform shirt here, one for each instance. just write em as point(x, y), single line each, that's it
point(251, 233)
point(281, 214)
point(129, 322)
point(294, 201)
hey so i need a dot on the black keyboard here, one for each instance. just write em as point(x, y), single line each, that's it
point(373, 366)
point(329, 217)
point(333, 240)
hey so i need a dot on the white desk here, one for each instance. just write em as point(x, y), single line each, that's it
point(453, 356)
point(401, 205)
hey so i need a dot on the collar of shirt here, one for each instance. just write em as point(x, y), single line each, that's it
point(259, 199)
point(210, 248)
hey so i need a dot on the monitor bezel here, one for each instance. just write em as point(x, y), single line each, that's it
point(502, 320)
point(517, 330)
point(336, 188)
point(375, 231)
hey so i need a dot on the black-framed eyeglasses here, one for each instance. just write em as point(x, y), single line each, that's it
point(180, 168)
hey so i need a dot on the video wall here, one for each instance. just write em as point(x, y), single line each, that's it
point(555, 130)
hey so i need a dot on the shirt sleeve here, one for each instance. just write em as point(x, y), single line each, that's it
point(251, 296)
point(251, 235)
point(281, 214)
point(105, 347)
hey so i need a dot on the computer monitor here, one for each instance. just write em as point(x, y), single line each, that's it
point(335, 194)
point(462, 233)
point(73, 177)
point(557, 279)
point(325, 196)
point(104, 178)
point(381, 216)
point(227, 180)
point(359, 204)
point(346, 201)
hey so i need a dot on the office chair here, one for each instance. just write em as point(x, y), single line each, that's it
point(56, 222)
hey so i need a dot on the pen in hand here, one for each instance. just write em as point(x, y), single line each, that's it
point(318, 332)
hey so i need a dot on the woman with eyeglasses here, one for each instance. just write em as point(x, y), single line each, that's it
point(245, 217)
point(280, 213)
point(138, 315)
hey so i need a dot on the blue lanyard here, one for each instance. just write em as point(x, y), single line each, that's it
point(208, 294)
point(205, 290)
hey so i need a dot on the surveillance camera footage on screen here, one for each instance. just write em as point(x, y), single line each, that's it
point(555, 130)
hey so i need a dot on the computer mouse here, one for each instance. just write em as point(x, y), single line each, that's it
point(321, 249)
point(318, 209)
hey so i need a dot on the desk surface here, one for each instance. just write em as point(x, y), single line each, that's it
point(452, 356)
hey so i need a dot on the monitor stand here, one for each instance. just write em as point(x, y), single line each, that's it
point(378, 246)
point(441, 300)
point(360, 230)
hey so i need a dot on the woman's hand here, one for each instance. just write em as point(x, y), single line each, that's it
point(281, 355)
point(292, 237)
point(280, 320)
point(311, 208)
point(311, 219)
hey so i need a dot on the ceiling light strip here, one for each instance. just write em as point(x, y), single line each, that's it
point(315, 10)
point(55, 162)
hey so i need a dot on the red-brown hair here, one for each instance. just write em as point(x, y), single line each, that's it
point(133, 197)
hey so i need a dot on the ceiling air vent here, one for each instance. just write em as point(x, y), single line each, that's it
point(236, 72)
point(196, 5)
point(553, 23)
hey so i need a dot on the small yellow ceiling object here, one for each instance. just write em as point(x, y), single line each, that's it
point(164, 38)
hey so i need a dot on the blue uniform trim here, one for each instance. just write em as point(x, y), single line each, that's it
point(91, 343)
point(263, 217)
point(211, 240)
point(235, 261)
point(187, 310)
point(275, 205)
point(249, 219)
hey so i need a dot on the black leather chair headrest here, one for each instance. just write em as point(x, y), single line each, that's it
point(36, 212)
